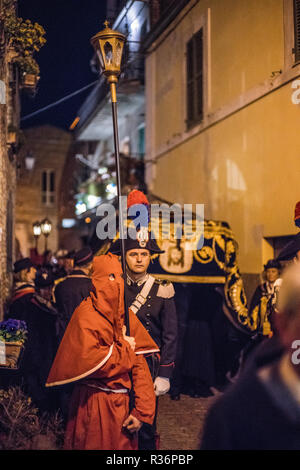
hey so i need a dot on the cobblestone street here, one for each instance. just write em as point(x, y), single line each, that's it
point(180, 423)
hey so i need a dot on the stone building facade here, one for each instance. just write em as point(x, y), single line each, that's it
point(39, 188)
point(222, 116)
point(9, 116)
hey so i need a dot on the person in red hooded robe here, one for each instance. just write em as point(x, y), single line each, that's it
point(96, 354)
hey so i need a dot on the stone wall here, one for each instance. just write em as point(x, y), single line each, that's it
point(49, 146)
point(9, 114)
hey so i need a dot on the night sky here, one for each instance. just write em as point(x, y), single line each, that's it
point(65, 59)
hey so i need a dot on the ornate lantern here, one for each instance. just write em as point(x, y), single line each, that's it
point(37, 230)
point(108, 45)
point(46, 227)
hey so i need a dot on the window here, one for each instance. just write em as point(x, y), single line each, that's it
point(297, 30)
point(141, 140)
point(48, 187)
point(278, 243)
point(195, 79)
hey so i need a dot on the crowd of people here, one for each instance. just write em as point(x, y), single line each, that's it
point(102, 347)
point(261, 409)
point(76, 325)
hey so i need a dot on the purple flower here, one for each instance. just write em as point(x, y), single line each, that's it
point(13, 325)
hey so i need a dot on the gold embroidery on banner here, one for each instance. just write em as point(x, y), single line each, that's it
point(190, 279)
point(205, 255)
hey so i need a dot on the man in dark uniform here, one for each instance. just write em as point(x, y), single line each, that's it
point(24, 288)
point(152, 301)
point(41, 345)
point(74, 288)
point(68, 294)
point(59, 271)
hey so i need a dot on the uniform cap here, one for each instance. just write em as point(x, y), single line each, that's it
point(83, 256)
point(24, 263)
point(272, 263)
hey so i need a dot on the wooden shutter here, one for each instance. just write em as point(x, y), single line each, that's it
point(195, 79)
point(297, 29)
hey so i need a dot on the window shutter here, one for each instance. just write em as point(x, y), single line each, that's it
point(190, 81)
point(297, 29)
point(194, 58)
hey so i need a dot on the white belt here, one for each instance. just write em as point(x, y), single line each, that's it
point(119, 390)
point(142, 296)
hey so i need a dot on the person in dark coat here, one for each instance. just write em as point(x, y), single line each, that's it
point(24, 288)
point(152, 300)
point(68, 294)
point(76, 287)
point(41, 345)
point(261, 410)
point(59, 271)
point(260, 305)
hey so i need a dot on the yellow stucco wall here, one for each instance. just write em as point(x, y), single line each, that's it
point(246, 167)
point(246, 170)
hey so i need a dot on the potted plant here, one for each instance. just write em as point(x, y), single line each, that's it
point(13, 334)
point(29, 72)
point(24, 38)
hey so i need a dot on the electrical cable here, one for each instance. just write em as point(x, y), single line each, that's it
point(61, 100)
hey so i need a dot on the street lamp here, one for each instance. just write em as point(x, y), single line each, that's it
point(37, 230)
point(46, 227)
point(108, 45)
point(29, 161)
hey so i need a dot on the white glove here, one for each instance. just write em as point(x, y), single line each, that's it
point(161, 386)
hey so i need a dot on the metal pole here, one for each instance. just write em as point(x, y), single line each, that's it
point(118, 172)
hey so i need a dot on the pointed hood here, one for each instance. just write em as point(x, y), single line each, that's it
point(95, 327)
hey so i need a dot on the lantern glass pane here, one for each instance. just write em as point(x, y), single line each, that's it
point(118, 54)
point(37, 230)
point(99, 54)
point(46, 227)
point(108, 50)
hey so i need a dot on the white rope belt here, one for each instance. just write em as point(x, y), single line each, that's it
point(104, 389)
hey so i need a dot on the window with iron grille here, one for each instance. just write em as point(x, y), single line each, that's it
point(194, 64)
point(297, 30)
point(48, 187)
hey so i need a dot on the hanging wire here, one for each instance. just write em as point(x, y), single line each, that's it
point(61, 100)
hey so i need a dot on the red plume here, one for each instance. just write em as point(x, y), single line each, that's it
point(297, 214)
point(136, 197)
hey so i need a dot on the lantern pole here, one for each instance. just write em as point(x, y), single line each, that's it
point(118, 172)
point(112, 71)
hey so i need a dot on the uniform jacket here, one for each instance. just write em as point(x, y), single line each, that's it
point(260, 308)
point(23, 293)
point(68, 294)
point(158, 316)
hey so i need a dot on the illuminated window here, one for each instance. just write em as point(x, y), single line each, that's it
point(194, 54)
point(48, 187)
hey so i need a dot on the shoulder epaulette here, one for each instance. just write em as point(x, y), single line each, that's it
point(165, 289)
point(59, 280)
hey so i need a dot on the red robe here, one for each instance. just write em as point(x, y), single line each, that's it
point(94, 354)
